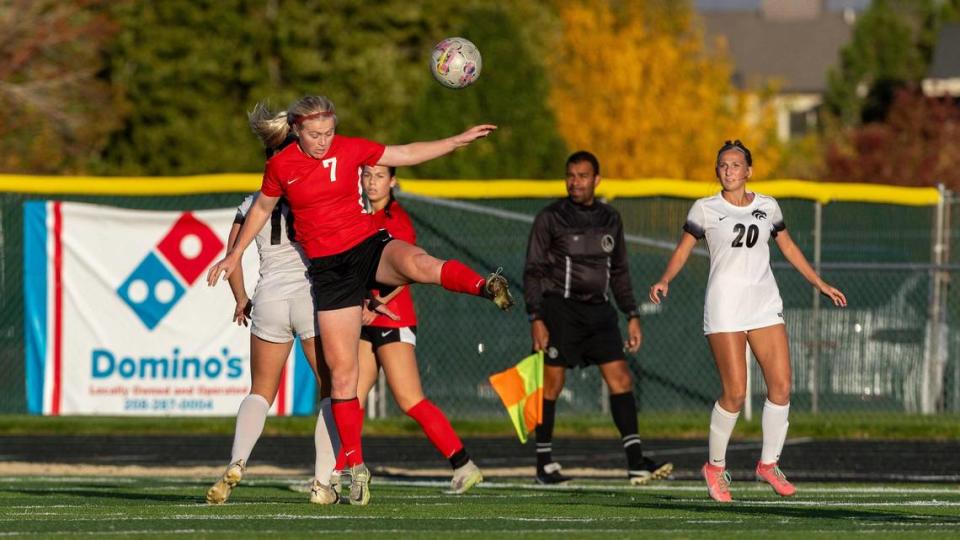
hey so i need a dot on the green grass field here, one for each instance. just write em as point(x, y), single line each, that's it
point(70, 507)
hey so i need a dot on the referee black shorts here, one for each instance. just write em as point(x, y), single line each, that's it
point(342, 280)
point(581, 334)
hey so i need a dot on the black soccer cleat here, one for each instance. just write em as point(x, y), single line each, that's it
point(550, 475)
point(648, 471)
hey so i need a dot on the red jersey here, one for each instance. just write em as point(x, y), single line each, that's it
point(399, 226)
point(325, 194)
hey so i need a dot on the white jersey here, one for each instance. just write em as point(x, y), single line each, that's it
point(283, 264)
point(742, 293)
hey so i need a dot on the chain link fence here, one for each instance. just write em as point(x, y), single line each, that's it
point(894, 348)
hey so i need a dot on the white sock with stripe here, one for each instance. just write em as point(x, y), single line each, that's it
point(327, 443)
point(774, 423)
point(250, 419)
point(722, 423)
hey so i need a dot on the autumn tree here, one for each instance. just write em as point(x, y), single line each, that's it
point(57, 110)
point(631, 81)
point(917, 145)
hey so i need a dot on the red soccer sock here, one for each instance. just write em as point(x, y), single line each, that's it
point(349, 418)
point(458, 277)
point(436, 427)
point(342, 454)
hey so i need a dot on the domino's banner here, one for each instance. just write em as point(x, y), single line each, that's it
point(120, 321)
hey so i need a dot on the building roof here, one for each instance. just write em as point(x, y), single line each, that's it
point(797, 52)
point(946, 58)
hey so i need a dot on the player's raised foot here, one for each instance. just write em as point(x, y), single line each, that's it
point(323, 494)
point(718, 482)
point(649, 471)
point(497, 289)
point(550, 475)
point(771, 474)
point(464, 478)
point(220, 491)
point(359, 485)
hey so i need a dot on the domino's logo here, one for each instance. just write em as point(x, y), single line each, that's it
point(175, 263)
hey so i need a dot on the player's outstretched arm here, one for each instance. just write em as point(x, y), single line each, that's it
point(406, 155)
point(256, 218)
point(241, 313)
point(679, 258)
point(793, 254)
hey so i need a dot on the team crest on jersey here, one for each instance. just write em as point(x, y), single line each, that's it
point(607, 243)
point(759, 214)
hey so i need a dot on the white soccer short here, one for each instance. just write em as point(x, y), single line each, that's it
point(279, 321)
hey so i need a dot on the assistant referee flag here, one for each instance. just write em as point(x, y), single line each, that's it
point(521, 390)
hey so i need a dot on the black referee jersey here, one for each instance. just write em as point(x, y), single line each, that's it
point(577, 252)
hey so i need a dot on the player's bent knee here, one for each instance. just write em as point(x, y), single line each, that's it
point(733, 402)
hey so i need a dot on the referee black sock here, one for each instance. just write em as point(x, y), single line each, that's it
point(545, 434)
point(623, 408)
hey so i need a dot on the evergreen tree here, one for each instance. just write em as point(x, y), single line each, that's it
point(512, 92)
point(188, 69)
point(891, 48)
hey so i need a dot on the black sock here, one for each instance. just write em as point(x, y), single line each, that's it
point(545, 434)
point(623, 408)
point(459, 458)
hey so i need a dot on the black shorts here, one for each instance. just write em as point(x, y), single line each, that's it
point(342, 280)
point(378, 336)
point(581, 334)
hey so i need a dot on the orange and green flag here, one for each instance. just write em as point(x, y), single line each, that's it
point(521, 390)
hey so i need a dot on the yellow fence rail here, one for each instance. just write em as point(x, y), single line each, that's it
point(823, 192)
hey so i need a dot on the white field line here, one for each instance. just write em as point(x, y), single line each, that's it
point(864, 528)
point(264, 532)
point(499, 519)
point(669, 486)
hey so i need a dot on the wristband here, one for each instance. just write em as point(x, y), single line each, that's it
point(373, 304)
point(633, 314)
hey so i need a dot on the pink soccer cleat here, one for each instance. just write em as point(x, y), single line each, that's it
point(771, 474)
point(718, 483)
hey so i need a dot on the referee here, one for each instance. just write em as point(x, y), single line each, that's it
point(575, 258)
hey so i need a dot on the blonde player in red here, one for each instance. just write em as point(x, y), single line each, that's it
point(320, 178)
point(281, 311)
point(743, 305)
point(389, 343)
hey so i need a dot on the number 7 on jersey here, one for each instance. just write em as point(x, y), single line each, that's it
point(331, 163)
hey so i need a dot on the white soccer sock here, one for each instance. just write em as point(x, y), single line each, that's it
point(722, 423)
point(774, 424)
point(327, 442)
point(250, 419)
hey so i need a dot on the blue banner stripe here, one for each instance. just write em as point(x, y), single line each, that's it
point(35, 266)
point(304, 384)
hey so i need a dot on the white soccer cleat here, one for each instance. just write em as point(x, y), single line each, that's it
point(322, 494)
point(496, 288)
point(338, 479)
point(359, 485)
point(220, 491)
point(464, 478)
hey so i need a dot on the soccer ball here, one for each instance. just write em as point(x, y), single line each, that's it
point(455, 62)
